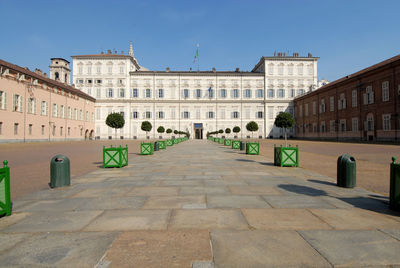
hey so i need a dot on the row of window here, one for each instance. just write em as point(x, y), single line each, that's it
point(289, 70)
point(368, 98)
point(57, 110)
point(186, 115)
point(41, 129)
point(198, 93)
point(368, 125)
point(110, 69)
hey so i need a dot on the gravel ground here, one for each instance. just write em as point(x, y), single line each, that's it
point(30, 162)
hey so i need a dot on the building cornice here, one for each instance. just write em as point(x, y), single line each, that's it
point(194, 73)
point(236, 102)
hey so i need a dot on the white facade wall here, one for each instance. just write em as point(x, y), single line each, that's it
point(278, 74)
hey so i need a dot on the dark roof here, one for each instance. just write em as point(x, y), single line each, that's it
point(357, 74)
point(52, 82)
point(59, 59)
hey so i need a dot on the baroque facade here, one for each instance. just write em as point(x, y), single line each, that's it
point(193, 101)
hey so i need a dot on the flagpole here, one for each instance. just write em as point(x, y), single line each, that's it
point(198, 63)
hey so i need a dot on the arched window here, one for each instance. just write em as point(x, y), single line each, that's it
point(56, 76)
point(65, 79)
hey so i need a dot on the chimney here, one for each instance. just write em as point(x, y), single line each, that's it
point(167, 69)
point(237, 69)
point(279, 54)
point(109, 51)
point(295, 54)
point(38, 71)
point(213, 69)
point(309, 55)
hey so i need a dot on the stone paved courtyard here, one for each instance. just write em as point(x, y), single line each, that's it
point(200, 204)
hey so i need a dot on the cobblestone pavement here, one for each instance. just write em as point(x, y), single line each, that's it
point(200, 204)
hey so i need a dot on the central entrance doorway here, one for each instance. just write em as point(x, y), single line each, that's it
point(198, 131)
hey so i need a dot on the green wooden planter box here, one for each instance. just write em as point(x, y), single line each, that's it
point(163, 145)
point(5, 198)
point(170, 142)
point(146, 148)
point(394, 196)
point(286, 156)
point(115, 156)
point(221, 141)
point(176, 141)
point(253, 148)
point(236, 144)
point(228, 142)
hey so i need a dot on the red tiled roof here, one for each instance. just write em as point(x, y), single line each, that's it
point(65, 87)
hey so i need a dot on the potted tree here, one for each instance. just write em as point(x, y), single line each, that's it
point(114, 156)
point(285, 156)
point(146, 148)
point(162, 144)
point(252, 147)
point(221, 140)
point(175, 140)
point(236, 143)
point(227, 141)
point(169, 141)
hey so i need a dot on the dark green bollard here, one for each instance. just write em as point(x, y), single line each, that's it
point(60, 171)
point(156, 146)
point(346, 171)
point(242, 146)
point(394, 197)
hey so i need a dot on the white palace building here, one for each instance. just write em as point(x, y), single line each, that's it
point(193, 101)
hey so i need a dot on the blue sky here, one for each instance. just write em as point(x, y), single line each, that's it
point(346, 35)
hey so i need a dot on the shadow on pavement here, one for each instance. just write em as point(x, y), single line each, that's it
point(300, 189)
point(376, 203)
point(266, 163)
point(244, 160)
point(323, 182)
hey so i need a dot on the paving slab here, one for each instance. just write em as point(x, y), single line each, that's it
point(355, 248)
point(207, 219)
point(288, 201)
point(67, 204)
point(181, 183)
point(283, 219)
point(102, 192)
point(254, 190)
point(49, 221)
point(153, 191)
point(76, 249)
point(196, 190)
point(10, 240)
point(355, 219)
point(395, 233)
point(263, 249)
point(125, 220)
point(160, 249)
point(14, 218)
point(112, 202)
point(236, 201)
point(173, 202)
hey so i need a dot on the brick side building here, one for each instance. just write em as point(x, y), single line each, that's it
point(362, 106)
point(34, 107)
